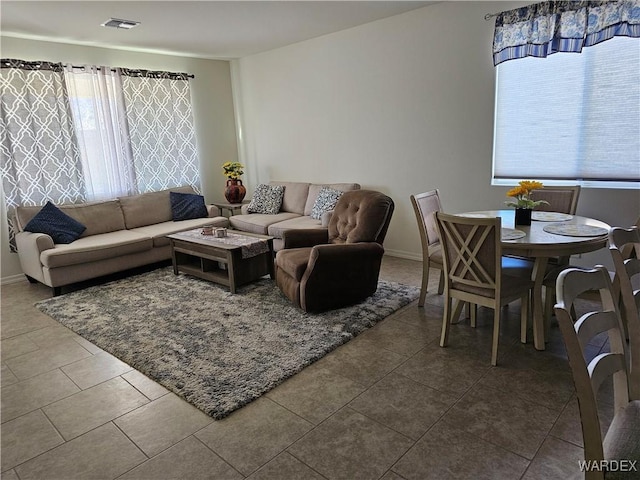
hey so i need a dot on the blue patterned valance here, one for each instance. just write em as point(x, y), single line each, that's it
point(549, 27)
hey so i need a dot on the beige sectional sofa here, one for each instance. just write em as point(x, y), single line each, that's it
point(120, 234)
point(299, 199)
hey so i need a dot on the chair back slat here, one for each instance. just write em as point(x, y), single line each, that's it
point(588, 327)
point(604, 366)
point(470, 258)
point(560, 199)
point(624, 246)
point(588, 377)
point(592, 435)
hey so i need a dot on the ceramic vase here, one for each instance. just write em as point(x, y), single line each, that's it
point(523, 216)
point(234, 191)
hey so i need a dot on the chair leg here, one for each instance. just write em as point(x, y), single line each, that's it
point(455, 318)
point(473, 314)
point(441, 283)
point(524, 318)
point(444, 336)
point(549, 300)
point(425, 282)
point(496, 335)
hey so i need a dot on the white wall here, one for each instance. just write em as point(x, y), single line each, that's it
point(211, 96)
point(401, 105)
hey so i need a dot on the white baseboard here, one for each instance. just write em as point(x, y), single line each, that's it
point(13, 279)
point(403, 254)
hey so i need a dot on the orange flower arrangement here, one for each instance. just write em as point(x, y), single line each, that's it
point(522, 194)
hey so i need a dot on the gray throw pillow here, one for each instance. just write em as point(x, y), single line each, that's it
point(327, 199)
point(266, 199)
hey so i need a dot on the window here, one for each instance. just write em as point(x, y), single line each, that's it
point(570, 117)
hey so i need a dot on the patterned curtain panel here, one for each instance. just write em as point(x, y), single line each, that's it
point(100, 123)
point(158, 106)
point(567, 26)
point(38, 149)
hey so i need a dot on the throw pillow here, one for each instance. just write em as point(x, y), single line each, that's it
point(55, 223)
point(266, 199)
point(187, 206)
point(327, 199)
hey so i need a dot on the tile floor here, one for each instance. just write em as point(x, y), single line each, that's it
point(390, 404)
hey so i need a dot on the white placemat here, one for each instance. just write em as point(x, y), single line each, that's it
point(512, 234)
point(550, 216)
point(572, 230)
point(475, 215)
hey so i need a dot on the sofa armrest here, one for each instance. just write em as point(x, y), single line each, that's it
point(244, 210)
point(30, 246)
point(298, 238)
point(326, 218)
point(213, 211)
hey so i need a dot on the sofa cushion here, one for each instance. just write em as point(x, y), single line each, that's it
point(302, 222)
point(149, 208)
point(314, 190)
point(326, 201)
point(187, 206)
point(159, 231)
point(95, 247)
point(266, 199)
point(98, 217)
point(258, 223)
point(55, 223)
point(295, 196)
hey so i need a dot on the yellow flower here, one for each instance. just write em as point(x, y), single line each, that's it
point(530, 185)
point(232, 169)
point(522, 194)
point(516, 192)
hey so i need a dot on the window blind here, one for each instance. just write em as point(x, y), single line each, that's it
point(570, 117)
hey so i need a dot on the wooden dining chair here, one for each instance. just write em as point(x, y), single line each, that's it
point(472, 254)
point(622, 440)
point(563, 200)
point(425, 205)
point(624, 246)
point(559, 199)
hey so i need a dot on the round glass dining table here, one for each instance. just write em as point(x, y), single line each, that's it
point(550, 235)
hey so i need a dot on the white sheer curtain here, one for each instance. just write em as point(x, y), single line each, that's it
point(100, 123)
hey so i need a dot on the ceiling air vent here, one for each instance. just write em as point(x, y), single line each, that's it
point(118, 23)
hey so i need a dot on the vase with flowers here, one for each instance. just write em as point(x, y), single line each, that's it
point(523, 202)
point(234, 191)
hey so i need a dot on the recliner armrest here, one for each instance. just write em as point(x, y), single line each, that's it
point(298, 238)
point(340, 274)
point(344, 257)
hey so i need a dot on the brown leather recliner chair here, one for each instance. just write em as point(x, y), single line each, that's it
point(329, 268)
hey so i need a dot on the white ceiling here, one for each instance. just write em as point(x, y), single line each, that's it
point(207, 29)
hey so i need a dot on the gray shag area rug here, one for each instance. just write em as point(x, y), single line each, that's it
point(216, 350)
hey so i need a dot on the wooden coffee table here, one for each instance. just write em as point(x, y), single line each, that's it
point(220, 261)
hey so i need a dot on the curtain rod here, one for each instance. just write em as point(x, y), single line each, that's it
point(57, 66)
point(133, 70)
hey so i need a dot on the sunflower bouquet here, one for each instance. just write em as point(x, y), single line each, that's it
point(522, 195)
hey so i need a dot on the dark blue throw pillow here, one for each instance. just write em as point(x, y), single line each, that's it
point(186, 206)
point(55, 223)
